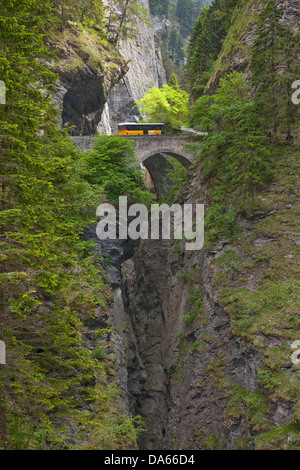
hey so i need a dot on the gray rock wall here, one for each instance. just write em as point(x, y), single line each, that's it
point(82, 90)
point(145, 71)
point(93, 99)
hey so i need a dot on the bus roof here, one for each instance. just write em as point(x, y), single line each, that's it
point(141, 123)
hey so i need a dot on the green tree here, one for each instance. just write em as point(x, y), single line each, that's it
point(159, 7)
point(236, 149)
point(123, 18)
point(177, 175)
point(173, 82)
point(176, 47)
point(206, 41)
point(166, 104)
point(112, 165)
point(50, 283)
point(274, 70)
point(198, 7)
point(185, 13)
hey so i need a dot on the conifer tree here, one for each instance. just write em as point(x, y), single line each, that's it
point(50, 284)
point(274, 69)
point(123, 19)
point(206, 42)
point(85, 11)
point(167, 104)
point(159, 7)
point(185, 13)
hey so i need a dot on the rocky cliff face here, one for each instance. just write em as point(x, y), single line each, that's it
point(98, 86)
point(201, 372)
point(145, 71)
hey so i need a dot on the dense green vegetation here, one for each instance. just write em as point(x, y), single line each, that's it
point(168, 104)
point(58, 389)
point(206, 42)
point(53, 385)
point(236, 158)
point(249, 164)
point(275, 46)
point(159, 7)
point(195, 34)
point(252, 142)
point(243, 128)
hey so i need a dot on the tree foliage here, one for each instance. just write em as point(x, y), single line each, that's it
point(123, 18)
point(175, 46)
point(51, 285)
point(235, 156)
point(185, 13)
point(159, 7)
point(88, 12)
point(206, 41)
point(274, 69)
point(167, 104)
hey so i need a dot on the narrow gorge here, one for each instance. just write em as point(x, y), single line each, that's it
point(142, 344)
point(185, 365)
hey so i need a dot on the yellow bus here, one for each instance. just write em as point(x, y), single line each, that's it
point(135, 128)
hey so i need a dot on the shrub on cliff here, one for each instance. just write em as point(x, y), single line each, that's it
point(167, 104)
point(112, 165)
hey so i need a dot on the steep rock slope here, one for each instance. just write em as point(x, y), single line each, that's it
point(210, 332)
point(87, 70)
point(213, 331)
point(145, 71)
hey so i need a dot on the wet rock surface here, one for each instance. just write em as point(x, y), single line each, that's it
point(182, 377)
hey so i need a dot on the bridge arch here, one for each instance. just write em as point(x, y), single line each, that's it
point(169, 144)
point(159, 166)
point(152, 152)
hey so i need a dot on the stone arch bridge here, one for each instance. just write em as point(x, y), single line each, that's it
point(152, 152)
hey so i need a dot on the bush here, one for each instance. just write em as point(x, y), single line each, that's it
point(112, 165)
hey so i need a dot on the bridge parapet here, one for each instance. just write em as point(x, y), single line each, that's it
point(147, 146)
point(152, 151)
point(169, 144)
point(83, 142)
